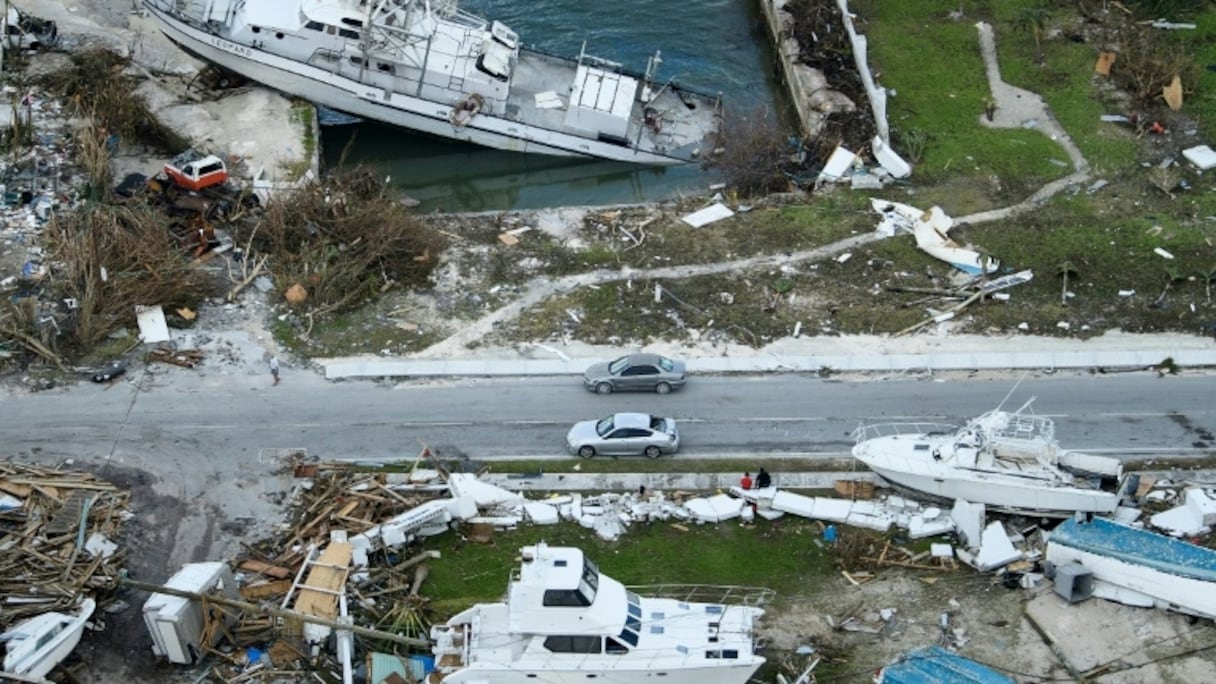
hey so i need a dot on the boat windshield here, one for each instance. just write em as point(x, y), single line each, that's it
point(589, 583)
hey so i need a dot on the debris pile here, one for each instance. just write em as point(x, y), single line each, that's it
point(56, 528)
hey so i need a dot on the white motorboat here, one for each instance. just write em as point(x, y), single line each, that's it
point(1009, 461)
point(564, 622)
point(428, 66)
point(33, 647)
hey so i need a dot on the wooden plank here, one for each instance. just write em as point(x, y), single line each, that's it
point(318, 596)
point(267, 569)
point(17, 489)
point(258, 591)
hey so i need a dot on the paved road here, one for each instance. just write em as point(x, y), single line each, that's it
point(229, 422)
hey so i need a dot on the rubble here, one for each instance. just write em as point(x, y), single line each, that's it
point(56, 545)
point(1195, 516)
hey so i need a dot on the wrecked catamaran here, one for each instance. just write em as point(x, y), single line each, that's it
point(564, 622)
point(1009, 461)
point(428, 66)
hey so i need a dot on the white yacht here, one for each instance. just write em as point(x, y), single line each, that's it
point(564, 622)
point(33, 647)
point(1009, 461)
point(428, 66)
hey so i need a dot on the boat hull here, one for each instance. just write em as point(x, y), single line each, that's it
point(37, 663)
point(521, 674)
point(1000, 493)
point(370, 102)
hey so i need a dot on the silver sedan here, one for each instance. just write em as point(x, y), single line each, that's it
point(646, 372)
point(626, 434)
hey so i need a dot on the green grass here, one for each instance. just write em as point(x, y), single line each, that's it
point(780, 555)
point(937, 72)
point(675, 464)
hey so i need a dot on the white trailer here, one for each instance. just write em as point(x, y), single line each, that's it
point(176, 623)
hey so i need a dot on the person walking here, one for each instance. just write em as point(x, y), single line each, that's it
point(274, 369)
point(746, 481)
point(763, 479)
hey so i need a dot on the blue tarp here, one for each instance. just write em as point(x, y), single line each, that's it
point(1140, 547)
point(936, 665)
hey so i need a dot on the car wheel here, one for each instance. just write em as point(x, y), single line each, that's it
point(603, 388)
point(652, 451)
point(586, 452)
point(662, 388)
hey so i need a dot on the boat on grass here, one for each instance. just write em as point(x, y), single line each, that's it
point(35, 646)
point(563, 621)
point(428, 66)
point(1008, 460)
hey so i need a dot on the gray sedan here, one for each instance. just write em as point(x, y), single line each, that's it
point(648, 372)
point(627, 434)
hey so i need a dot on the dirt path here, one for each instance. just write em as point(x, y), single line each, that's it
point(1014, 107)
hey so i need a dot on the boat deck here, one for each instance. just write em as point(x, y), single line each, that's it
point(537, 74)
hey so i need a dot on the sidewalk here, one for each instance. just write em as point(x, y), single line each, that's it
point(839, 354)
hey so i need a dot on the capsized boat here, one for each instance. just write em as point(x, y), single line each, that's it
point(563, 621)
point(33, 647)
point(1009, 461)
point(428, 66)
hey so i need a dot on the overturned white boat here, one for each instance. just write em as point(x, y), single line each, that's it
point(33, 647)
point(564, 622)
point(430, 67)
point(1135, 566)
point(1006, 460)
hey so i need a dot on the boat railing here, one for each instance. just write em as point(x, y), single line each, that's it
point(875, 430)
point(752, 597)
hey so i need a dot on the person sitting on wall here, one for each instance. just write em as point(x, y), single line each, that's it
point(763, 479)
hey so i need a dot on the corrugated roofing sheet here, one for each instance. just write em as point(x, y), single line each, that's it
point(1141, 547)
point(935, 665)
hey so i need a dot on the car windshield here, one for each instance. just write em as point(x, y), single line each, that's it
point(604, 426)
point(619, 365)
point(666, 364)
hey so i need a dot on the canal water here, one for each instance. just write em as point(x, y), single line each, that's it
point(709, 45)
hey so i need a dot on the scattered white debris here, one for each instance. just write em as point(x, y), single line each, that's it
point(541, 513)
point(9, 502)
point(1162, 253)
point(941, 550)
point(1202, 156)
point(838, 165)
point(99, 545)
point(706, 216)
point(485, 494)
point(1127, 293)
point(930, 229)
point(969, 520)
point(891, 162)
point(1195, 516)
point(152, 325)
point(715, 508)
point(1170, 25)
point(996, 550)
